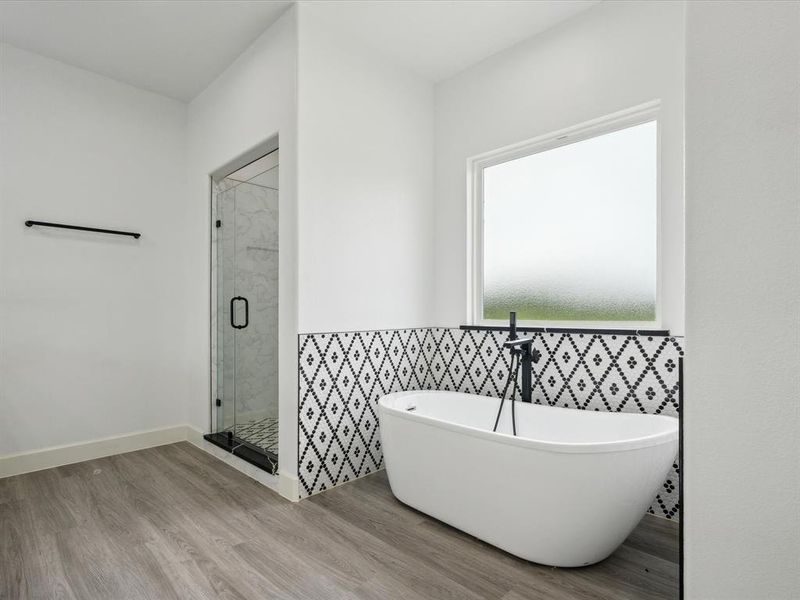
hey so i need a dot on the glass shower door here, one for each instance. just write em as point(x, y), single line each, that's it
point(226, 334)
point(256, 284)
point(247, 318)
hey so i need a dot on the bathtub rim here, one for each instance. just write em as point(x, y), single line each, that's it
point(667, 437)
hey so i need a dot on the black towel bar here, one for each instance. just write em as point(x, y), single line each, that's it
point(80, 228)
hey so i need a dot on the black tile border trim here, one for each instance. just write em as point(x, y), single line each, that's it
point(590, 331)
point(527, 329)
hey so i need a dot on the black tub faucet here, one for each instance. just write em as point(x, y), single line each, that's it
point(527, 355)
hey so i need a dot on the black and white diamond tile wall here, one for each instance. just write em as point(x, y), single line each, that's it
point(589, 372)
point(615, 373)
point(342, 375)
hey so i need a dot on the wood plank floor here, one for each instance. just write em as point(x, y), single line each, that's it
point(174, 522)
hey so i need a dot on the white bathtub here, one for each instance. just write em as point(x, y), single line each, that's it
point(565, 492)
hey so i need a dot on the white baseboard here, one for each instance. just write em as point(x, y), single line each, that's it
point(58, 456)
point(289, 486)
point(195, 436)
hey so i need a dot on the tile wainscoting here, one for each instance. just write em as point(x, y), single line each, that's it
point(342, 375)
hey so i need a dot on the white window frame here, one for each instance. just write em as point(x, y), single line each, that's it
point(636, 115)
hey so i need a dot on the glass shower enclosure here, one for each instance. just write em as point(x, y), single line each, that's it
point(245, 328)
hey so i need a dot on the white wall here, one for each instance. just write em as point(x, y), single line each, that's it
point(364, 133)
point(365, 187)
point(93, 332)
point(611, 57)
point(252, 101)
point(742, 414)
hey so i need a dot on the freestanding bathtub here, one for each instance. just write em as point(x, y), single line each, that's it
point(565, 492)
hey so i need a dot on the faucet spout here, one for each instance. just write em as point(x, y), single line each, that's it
point(518, 343)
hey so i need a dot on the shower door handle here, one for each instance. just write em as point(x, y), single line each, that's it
point(246, 312)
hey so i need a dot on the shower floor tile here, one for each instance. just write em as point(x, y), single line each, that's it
point(261, 432)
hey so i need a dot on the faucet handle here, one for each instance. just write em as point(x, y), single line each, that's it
point(536, 355)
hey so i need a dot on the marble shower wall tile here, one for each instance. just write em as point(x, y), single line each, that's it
point(256, 278)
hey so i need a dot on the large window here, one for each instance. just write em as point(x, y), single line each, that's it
point(565, 228)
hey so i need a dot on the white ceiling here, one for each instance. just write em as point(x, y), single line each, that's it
point(439, 38)
point(177, 47)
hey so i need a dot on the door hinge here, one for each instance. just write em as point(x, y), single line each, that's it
point(219, 223)
point(219, 402)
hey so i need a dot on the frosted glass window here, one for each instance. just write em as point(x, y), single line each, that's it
point(570, 233)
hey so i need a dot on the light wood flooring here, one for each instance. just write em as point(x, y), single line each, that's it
point(174, 522)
